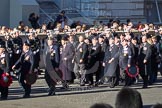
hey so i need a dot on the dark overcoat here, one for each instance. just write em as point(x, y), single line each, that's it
point(66, 66)
point(110, 68)
point(144, 54)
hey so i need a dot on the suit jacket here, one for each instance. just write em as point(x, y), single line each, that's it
point(110, 68)
point(144, 54)
point(94, 53)
point(66, 65)
point(103, 50)
point(25, 62)
point(4, 63)
point(125, 56)
point(53, 52)
point(81, 52)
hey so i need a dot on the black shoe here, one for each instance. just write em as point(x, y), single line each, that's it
point(51, 93)
point(26, 96)
point(144, 86)
point(100, 83)
point(112, 86)
point(90, 84)
point(150, 83)
point(116, 84)
point(96, 84)
point(82, 84)
point(72, 81)
point(65, 85)
point(3, 98)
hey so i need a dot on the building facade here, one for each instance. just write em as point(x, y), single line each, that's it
point(138, 10)
point(13, 11)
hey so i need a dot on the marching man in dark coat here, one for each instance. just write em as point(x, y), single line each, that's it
point(93, 61)
point(67, 55)
point(52, 60)
point(25, 63)
point(144, 60)
point(17, 46)
point(155, 60)
point(4, 67)
point(125, 56)
point(103, 45)
point(35, 48)
point(111, 68)
point(80, 60)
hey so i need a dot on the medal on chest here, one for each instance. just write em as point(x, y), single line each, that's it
point(81, 49)
point(144, 48)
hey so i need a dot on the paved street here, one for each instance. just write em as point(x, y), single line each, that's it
point(75, 97)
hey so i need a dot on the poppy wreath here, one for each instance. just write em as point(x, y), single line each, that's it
point(5, 80)
point(132, 71)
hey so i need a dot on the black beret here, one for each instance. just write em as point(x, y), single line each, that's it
point(115, 34)
point(101, 36)
point(148, 35)
point(132, 35)
point(63, 12)
point(111, 37)
point(64, 38)
point(2, 44)
point(135, 38)
point(27, 43)
point(95, 38)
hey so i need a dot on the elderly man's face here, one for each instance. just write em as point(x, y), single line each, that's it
point(81, 38)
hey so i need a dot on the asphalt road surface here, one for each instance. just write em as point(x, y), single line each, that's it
point(75, 96)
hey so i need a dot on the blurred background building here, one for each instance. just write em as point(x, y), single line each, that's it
point(85, 11)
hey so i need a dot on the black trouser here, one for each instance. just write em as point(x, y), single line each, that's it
point(153, 74)
point(117, 75)
point(51, 84)
point(128, 80)
point(145, 80)
point(4, 92)
point(25, 86)
point(112, 81)
point(36, 60)
point(72, 77)
point(89, 78)
point(100, 72)
point(125, 77)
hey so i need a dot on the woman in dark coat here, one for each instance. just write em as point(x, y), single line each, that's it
point(111, 68)
point(4, 67)
point(67, 55)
